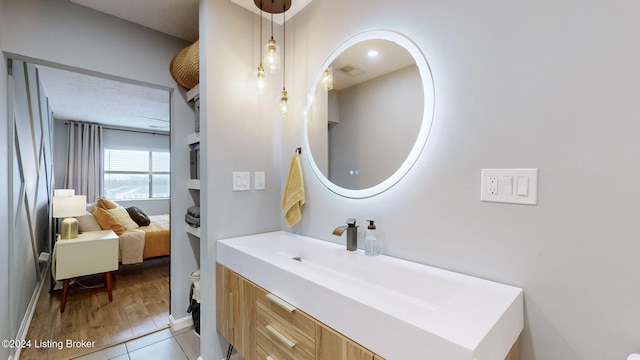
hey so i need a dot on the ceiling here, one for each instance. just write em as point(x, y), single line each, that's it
point(354, 65)
point(174, 17)
point(123, 104)
point(80, 97)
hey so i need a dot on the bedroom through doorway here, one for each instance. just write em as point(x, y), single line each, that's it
point(134, 121)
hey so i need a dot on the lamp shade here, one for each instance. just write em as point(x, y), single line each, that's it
point(69, 206)
point(64, 192)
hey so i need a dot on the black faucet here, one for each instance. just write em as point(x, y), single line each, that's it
point(352, 234)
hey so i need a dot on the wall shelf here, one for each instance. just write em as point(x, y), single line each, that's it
point(192, 93)
point(193, 184)
point(193, 142)
point(193, 138)
point(195, 231)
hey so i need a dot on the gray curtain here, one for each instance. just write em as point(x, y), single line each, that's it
point(85, 163)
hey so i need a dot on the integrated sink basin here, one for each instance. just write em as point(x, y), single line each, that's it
point(396, 308)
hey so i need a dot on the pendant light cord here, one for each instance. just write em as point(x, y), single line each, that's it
point(260, 42)
point(284, 45)
point(272, 25)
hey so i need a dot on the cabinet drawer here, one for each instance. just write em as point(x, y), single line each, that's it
point(297, 318)
point(291, 332)
point(331, 345)
point(267, 350)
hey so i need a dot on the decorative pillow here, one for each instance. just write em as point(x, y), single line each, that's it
point(91, 207)
point(107, 221)
point(106, 204)
point(123, 218)
point(138, 216)
point(88, 223)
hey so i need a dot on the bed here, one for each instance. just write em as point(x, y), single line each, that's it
point(141, 236)
point(156, 236)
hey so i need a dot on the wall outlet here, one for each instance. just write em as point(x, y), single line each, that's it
point(492, 185)
point(498, 185)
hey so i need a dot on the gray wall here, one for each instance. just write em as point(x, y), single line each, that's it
point(30, 187)
point(5, 328)
point(60, 33)
point(240, 132)
point(379, 122)
point(549, 85)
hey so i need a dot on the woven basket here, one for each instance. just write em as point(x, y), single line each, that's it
point(185, 66)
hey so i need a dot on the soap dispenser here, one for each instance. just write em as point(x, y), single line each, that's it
point(371, 242)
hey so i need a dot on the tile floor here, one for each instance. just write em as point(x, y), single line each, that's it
point(160, 345)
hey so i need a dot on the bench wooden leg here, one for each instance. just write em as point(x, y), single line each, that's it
point(65, 291)
point(107, 281)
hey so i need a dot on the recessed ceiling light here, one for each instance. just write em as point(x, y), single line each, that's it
point(372, 53)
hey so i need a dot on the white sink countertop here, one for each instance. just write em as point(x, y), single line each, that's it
point(396, 308)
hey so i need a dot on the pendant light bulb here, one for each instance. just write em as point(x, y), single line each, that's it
point(284, 106)
point(272, 56)
point(261, 77)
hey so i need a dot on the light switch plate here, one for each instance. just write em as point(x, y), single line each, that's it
point(259, 180)
point(241, 181)
point(513, 186)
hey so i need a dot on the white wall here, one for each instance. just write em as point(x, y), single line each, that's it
point(540, 84)
point(64, 34)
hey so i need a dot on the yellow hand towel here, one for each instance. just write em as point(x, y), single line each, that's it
point(293, 195)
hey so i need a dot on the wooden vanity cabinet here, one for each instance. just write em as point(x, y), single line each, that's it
point(331, 345)
point(262, 326)
point(283, 329)
point(236, 311)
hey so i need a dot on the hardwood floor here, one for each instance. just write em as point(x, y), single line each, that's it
point(140, 306)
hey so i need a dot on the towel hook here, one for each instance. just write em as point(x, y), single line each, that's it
point(299, 150)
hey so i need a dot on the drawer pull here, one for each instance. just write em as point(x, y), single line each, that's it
point(283, 304)
point(283, 339)
point(231, 311)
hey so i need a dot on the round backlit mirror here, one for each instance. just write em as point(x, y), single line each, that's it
point(368, 113)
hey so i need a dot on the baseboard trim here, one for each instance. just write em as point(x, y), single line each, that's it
point(179, 324)
point(28, 316)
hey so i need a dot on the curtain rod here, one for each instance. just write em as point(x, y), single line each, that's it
point(117, 128)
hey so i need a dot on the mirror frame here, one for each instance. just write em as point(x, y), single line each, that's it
point(427, 119)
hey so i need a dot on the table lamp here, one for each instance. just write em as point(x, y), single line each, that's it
point(67, 207)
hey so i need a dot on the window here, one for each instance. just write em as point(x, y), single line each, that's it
point(136, 174)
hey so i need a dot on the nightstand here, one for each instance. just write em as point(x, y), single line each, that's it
point(92, 252)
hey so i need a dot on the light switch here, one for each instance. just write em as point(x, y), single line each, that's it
point(259, 180)
point(523, 186)
point(241, 181)
point(506, 183)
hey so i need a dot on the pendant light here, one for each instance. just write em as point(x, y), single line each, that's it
point(271, 59)
point(272, 53)
point(261, 73)
point(284, 106)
